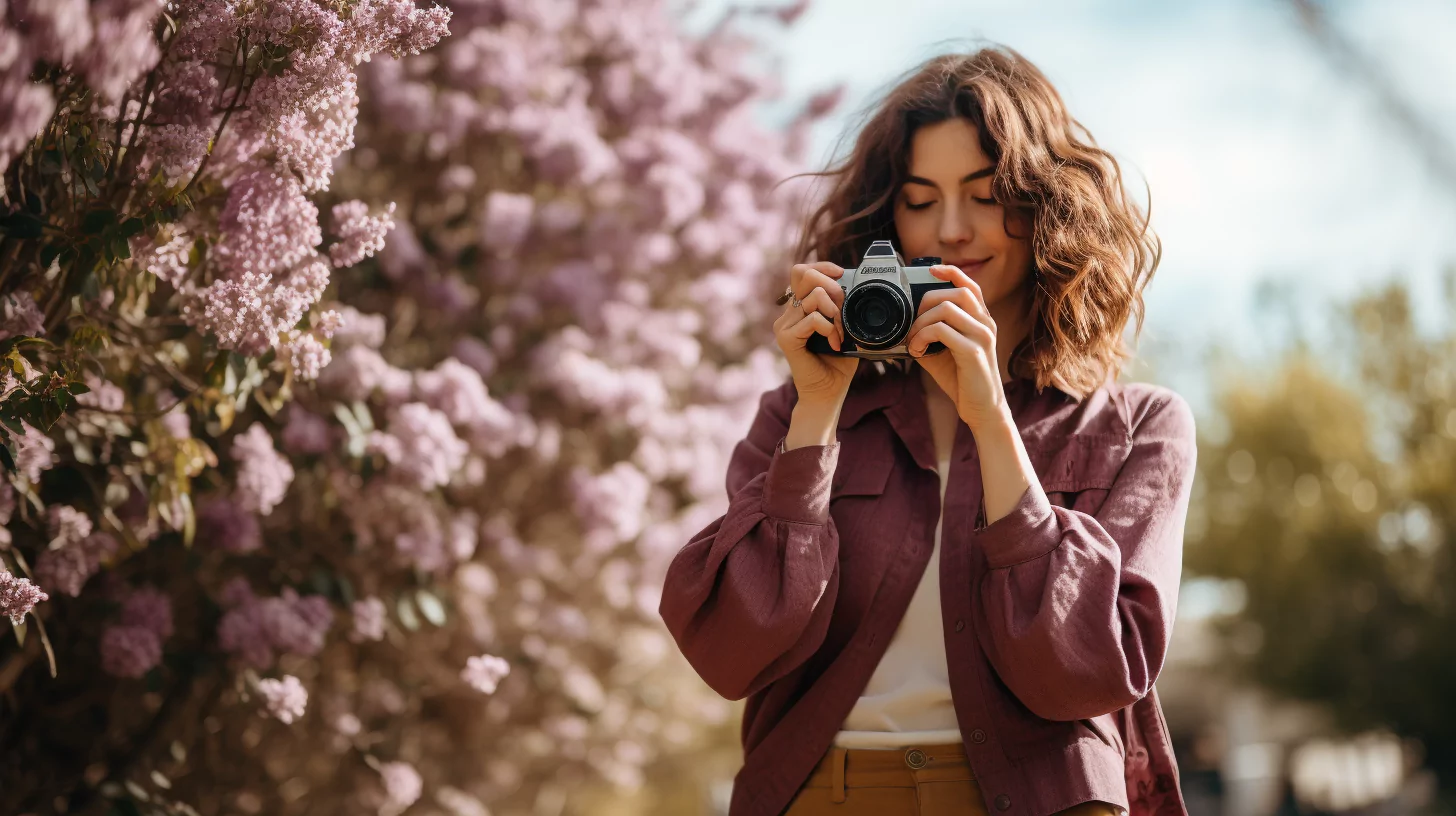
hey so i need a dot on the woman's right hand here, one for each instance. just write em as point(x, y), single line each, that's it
point(822, 377)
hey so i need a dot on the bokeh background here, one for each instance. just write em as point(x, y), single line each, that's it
point(393, 541)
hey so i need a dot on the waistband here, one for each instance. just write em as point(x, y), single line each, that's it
point(842, 768)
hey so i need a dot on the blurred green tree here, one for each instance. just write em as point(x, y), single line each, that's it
point(1327, 487)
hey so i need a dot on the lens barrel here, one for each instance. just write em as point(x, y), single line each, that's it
point(876, 314)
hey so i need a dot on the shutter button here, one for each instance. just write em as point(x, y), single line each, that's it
point(915, 758)
point(1003, 802)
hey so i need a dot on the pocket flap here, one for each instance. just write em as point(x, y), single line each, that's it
point(1086, 461)
point(859, 479)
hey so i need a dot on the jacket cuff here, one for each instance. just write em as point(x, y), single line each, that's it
point(797, 485)
point(1026, 533)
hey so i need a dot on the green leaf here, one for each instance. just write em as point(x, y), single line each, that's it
point(22, 225)
point(406, 611)
point(189, 519)
point(120, 248)
point(319, 580)
point(346, 589)
point(430, 606)
point(217, 370)
point(78, 387)
point(50, 412)
point(96, 221)
point(91, 287)
point(130, 227)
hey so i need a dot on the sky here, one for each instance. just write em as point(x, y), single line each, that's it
point(1269, 163)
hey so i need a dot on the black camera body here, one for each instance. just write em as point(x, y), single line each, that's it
point(881, 300)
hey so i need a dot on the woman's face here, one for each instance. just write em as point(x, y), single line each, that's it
point(945, 209)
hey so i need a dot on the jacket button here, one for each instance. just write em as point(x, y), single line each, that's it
point(1003, 802)
point(915, 758)
point(960, 624)
point(978, 736)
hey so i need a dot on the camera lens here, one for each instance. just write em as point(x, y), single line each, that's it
point(876, 314)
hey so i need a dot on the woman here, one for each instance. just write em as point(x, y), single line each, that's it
point(1008, 665)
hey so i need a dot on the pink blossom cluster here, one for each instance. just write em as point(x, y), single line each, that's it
point(306, 433)
point(423, 532)
point(18, 596)
point(34, 453)
point(484, 672)
point(402, 786)
point(257, 629)
point(280, 147)
point(132, 646)
point(284, 698)
point(20, 316)
point(228, 526)
point(369, 620)
point(421, 446)
point(359, 234)
point(263, 473)
point(75, 552)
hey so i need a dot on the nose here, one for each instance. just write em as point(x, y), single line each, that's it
point(955, 227)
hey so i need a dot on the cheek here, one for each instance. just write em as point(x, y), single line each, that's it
point(917, 234)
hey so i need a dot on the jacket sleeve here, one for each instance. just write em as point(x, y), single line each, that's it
point(749, 598)
point(1077, 609)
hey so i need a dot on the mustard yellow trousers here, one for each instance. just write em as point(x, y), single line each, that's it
point(921, 780)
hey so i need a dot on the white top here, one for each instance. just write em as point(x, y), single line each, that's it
point(907, 700)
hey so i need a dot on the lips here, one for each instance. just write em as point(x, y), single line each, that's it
point(970, 266)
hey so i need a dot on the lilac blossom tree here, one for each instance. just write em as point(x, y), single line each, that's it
point(369, 414)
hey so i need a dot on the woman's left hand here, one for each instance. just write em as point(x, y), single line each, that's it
point(967, 370)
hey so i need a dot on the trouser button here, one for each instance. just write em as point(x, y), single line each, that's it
point(978, 736)
point(1003, 802)
point(915, 758)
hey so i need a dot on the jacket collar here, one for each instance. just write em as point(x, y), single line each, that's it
point(871, 391)
point(902, 399)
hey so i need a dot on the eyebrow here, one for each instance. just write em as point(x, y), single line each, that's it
point(982, 173)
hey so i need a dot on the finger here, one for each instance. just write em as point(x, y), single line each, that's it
point(951, 315)
point(966, 298)
point(962, 281)
point(829, 268)
point(813, 278)
point(820, 301)
point(949, 311)
point(813, 323)
point(956, 343)
point(963, 301)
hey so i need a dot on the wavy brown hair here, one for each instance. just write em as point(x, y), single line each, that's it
point(1092, 249)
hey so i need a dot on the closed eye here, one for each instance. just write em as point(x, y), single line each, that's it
point(910, 206)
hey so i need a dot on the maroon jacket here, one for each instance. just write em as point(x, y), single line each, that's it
point(1057, 616)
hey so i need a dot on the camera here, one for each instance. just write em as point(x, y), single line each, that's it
point(881, 300)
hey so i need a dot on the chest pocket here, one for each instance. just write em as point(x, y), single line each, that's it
point(866, 457)
point(1078, 474)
